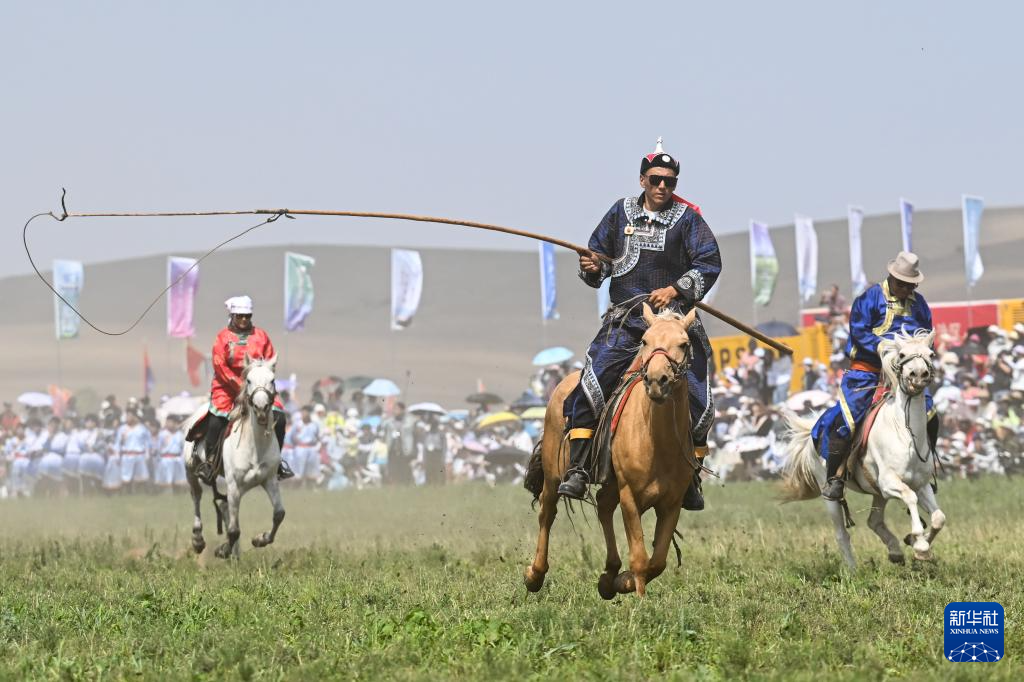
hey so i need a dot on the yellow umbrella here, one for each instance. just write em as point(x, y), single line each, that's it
point(535, 413)
point(496, 418)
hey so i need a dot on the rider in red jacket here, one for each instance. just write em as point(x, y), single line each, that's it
point(236, 341)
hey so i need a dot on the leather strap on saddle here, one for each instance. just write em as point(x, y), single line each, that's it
point(581, 434)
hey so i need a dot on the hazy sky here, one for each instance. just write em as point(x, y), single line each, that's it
point(526, 114)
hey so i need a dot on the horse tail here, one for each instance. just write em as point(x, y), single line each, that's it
point(534, 480)
point(800, 473)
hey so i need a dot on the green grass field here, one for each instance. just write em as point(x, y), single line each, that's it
point(415, 584)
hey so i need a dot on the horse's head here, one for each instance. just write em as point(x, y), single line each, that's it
point(259, 390)
point(908, 361)
point(665, 352)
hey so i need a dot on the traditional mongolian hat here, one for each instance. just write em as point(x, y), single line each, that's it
point(659, 159)
point(906, 267)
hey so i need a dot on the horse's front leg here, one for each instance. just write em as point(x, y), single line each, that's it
point(892, 486)
point(635, 579)
point(938, 520)
point(668, 517)
point(876, 522)
point(274, 493)
point(607, 501)
point(196, 488)
point(534, 575)
point(231, 548)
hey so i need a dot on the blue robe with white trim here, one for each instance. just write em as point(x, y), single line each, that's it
point(875, 315)
point(674, 247)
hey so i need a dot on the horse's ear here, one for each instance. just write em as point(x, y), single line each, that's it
point(272, 363)
point(649, 315)
point(689, 318)
point(246, 361)
point(930, 339)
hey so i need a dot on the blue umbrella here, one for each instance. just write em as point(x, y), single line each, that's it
point(373, 421)
point(552, 356)
point(381, 388)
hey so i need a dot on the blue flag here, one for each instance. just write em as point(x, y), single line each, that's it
point(298, 290)
point(906, 223)
point(548, 292)
point(973, 267)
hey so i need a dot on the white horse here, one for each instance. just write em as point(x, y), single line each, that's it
point(898, 461)
point(251, 457)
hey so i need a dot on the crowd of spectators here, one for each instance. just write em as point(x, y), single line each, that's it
point(340, 440)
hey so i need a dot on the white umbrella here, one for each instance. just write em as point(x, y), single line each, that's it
point(816, 398)
point(428, 407)
point(184, 405)
point(381, 388)
point(35, 399)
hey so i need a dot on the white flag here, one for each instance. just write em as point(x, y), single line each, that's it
point(406, 286)
point(806, 257)
point(68, 276)
point(855, 218)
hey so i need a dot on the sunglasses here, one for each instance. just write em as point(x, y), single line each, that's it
point(656, 180)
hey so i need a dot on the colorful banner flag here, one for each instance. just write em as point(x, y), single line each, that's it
point(973, 267)
point(181, 300)
point(194, 362)
point(61, 399)
point(406, 286)
point(604, 297)
point(906, 223)
point(298, 290)
point(855, 219)
point(764, 265)
point(806, 257)
point(148, 380)
point(548, 292)
point(68, 277)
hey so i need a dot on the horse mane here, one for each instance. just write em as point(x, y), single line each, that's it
point(919, 336)
point(241, 407)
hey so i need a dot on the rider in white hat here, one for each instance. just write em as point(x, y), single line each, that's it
point(240, 339)
point(881, 312)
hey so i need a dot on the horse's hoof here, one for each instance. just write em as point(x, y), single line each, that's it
point(606, 586)
point(223, 552)
point(897, 558)
point(198, 544)
point(625, 583)
point(533, 579)
point(923, 556)
point(908, 540)
point(261, 540)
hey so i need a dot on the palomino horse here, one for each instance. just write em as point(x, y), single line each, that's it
point(251, 456)
point(897, 462)
point(652, 457)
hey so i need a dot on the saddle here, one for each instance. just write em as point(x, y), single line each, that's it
point(212, 464)
point(859, 441)
point(601, 470)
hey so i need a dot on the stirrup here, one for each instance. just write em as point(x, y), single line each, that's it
point(834, 489)
point(575, 484)
point(284, 472)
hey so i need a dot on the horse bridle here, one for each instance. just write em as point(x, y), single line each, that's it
point(271, 395)
point(899, 363)
point(678, 368)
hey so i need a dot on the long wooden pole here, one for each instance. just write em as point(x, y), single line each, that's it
point(728, 319)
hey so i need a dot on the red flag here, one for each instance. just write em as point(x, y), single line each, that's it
point(194, 361)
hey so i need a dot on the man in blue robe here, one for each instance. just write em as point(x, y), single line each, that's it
point(881, 312)
point(662, 252)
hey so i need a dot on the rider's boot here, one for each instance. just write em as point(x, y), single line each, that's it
point(693, 499)
point(576, 476)
point(933, 440)
point(838, 449)
point(284, 472)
